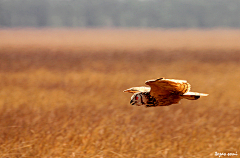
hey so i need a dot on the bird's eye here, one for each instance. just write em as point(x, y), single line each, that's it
point(136, 97)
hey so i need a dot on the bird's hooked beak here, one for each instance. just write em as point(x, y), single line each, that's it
point(132, 102)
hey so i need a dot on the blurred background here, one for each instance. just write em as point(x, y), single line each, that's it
point(120, 13)
point(65, 63)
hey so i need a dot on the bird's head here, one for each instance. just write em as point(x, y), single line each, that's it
point(138, 99)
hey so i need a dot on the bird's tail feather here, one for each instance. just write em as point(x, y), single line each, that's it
point(193, 95)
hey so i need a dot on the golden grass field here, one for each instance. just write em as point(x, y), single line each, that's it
point(61, 93)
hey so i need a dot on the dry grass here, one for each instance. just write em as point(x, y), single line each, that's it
point(64, 99)
point(133, 39)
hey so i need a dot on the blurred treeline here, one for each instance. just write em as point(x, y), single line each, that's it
point(120, 13)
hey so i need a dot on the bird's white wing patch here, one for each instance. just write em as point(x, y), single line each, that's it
point(137, 89)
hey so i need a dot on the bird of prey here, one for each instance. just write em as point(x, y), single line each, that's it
point(162, 92)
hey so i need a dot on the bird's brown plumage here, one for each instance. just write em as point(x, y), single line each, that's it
point(163, 86)
point(167, 91)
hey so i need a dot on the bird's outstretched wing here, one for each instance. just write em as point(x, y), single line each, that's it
point(165, 87)
point(137, 89)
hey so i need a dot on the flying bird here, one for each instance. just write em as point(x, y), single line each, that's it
point(162, 92)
